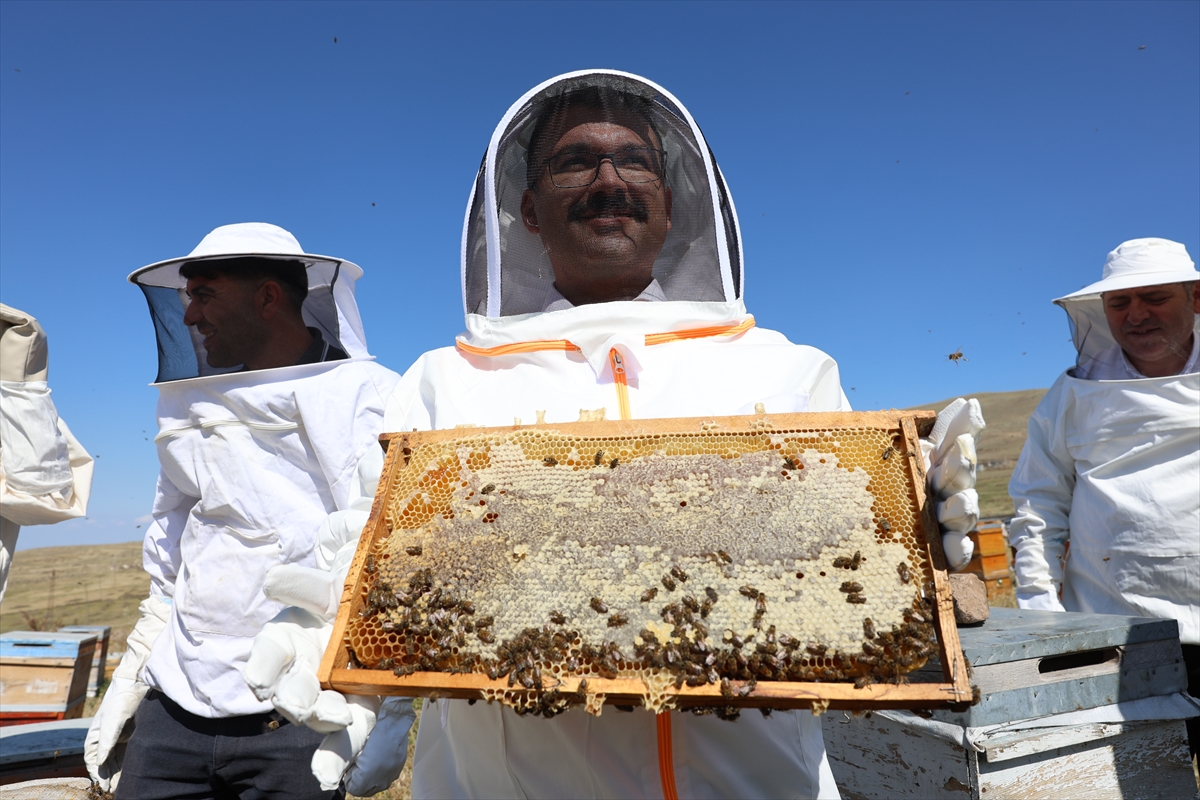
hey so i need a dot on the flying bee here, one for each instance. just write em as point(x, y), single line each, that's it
point(668, 582)
point(649, 594)
point(680, 574)
point(558, 618)
point(613, 464)
point(617, 620)
point(598, 605)
point(905, 575)
point(724, 556)
point(868, 628)
point(957, 356)
point(550, 461)
point(414, 550)
point(850, 586)
point(599, 457)
point(485, 636)
point(491, 487)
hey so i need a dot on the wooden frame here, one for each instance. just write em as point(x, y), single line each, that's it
point(953, 691)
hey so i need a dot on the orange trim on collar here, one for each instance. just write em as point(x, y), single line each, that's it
point(666, 756)
point(729, 329)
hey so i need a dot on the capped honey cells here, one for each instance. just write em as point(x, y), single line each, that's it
point(541, 559)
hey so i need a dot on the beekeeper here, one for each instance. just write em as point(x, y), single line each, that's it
point(45, 474)
point(1112, 463)
point(268, 403)
point(602, 279)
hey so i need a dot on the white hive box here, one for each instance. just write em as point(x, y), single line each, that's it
point(1072, 705)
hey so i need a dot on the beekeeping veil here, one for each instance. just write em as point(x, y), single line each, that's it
point(329, 307)
point(505, 269)
point(1136, 263)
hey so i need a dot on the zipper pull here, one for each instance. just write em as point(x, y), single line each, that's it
point(618, 364)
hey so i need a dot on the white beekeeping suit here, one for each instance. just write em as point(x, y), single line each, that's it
point(45, 474)
point(684, 347)
point(1112, 468)
point(252, 463)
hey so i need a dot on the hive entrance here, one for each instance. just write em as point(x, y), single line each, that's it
point(709, 564)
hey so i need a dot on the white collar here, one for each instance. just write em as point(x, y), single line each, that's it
point(556, 302)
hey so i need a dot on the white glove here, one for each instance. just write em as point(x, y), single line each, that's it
point(950, 464)
point(283, 661)
point(103, 748)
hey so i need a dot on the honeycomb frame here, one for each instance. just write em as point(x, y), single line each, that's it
point(627, 679)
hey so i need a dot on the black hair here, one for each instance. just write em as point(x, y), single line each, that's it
point(602, 98)
point(292, 276)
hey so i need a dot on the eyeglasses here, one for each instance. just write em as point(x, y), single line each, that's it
point(574, 170)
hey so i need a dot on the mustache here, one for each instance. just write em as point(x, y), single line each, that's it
point(618, 202)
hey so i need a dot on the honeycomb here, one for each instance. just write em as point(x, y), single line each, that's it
point(541, 558)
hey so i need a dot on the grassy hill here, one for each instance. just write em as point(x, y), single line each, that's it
point(1007, 414)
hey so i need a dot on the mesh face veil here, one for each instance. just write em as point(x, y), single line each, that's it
point(330, 306)
point(507, 269)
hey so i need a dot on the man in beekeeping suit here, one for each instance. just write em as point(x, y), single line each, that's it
point(602, 279)
point(268, 404)
point(1112, 463)
point(45, 474)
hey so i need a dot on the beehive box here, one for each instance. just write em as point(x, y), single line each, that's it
point(711, 564)
point(992, 562)
point(1028, 665)
point(100, 660)
point(43, 676)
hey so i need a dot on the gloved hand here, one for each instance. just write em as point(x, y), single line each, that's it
point(103, 748)
point(367, 740)
point(950, 464)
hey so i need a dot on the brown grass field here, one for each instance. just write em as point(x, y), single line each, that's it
point(103, 584)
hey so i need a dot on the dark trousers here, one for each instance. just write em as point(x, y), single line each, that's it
point(1191, 661)
point(175, 755)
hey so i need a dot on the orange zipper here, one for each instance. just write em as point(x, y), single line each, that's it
point(618, 368)
point(666, 756)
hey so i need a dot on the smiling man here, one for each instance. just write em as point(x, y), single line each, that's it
point(1112, 461)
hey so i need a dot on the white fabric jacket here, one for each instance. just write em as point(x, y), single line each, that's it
point(1113, 468)
point(252, 463)
point(695, 354)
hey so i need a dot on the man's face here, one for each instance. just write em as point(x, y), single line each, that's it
point(1153, 325)
point(602, 239)
point(223, 310)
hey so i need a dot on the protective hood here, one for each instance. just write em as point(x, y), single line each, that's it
point(506, 270)
point(330, 306)
point(1135, 263)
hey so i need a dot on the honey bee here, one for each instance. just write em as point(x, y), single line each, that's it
point(863, 682)
point(711, 593)
point(370, 567)
point(598, 605)
point(748, 688)
point(727, 689)
point(868, 628)
point(668, 582)
point(850, 586)
point(386, 663)
point(905, 575)
point(485, 622)
point(789, 463)
point(388, 626)
point(766, 712)
point(889, 452)
point(414, 550)
point(680, 574)
point(816, 649)
point(550, 461)
point(748, 591)
point(690, 603)
point(617, 620)
point(558, 618)
point(706, 609)
point(649, 594)
point(491, 487)
point(957, 356)
point(884, 525)
point(724, 556)
point(613, 464)
point(855, 598)
point(599, 457)
point(581, 690)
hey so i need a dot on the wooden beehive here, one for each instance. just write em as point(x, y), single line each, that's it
point(774, 561)
point(992, 562)
point(43, 676)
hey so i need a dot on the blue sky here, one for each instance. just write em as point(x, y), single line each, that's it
point(911, 178)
